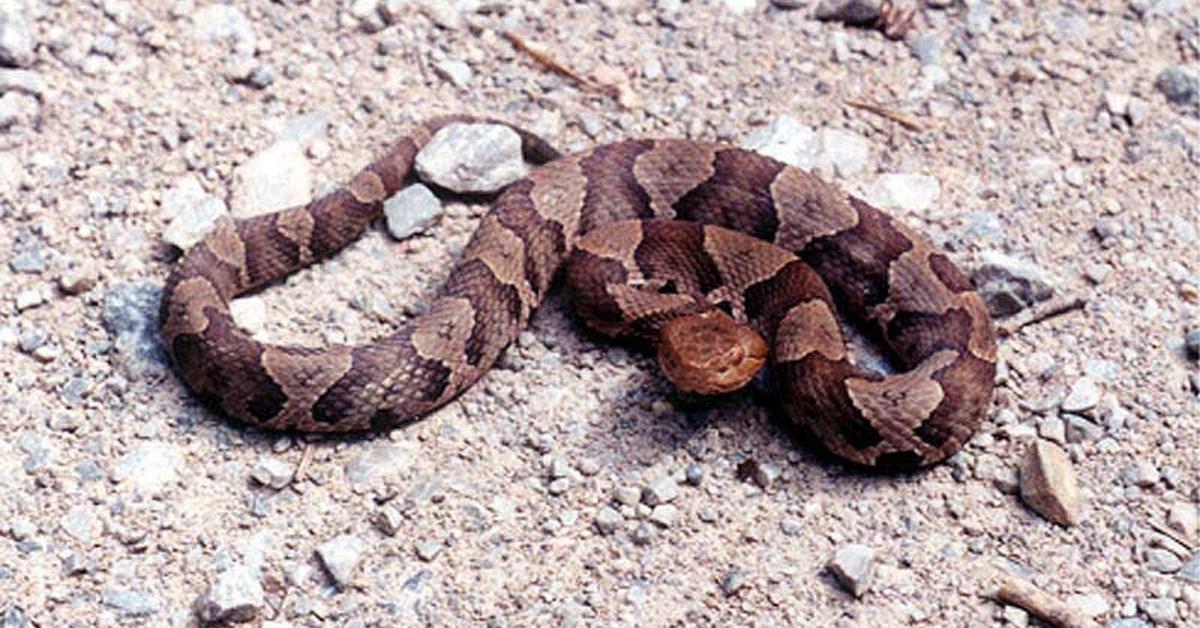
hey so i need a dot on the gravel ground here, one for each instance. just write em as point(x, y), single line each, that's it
point(1055, 154)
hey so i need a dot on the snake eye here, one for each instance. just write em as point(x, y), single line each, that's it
point(668, 287)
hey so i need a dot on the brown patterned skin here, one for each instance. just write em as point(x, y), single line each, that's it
point(924, 306)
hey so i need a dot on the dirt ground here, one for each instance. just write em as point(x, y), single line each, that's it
point(1063, 134)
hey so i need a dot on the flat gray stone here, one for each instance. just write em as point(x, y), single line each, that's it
point(608, 520)
point(1084, 395)
point(472, 158)
point(224, 23)
point(130, 314)
point(272, 472)
point(785, 139)
point(82, 524)
point(132, 602)
point(192, 213)
point(1181, 84)
point(660, 491)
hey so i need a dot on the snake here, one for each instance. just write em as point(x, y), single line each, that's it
point(659, 239)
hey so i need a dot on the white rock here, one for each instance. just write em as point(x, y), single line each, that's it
point(854, 567)
point(16, 37)
point(785, 139)
point(150, 468)
point(250, 313)
point(225, 23)
point(905, 192)
point(191, 223)
point(276, 178)
point(380, 460)
point(455, 71)
point(272, 472)
point(472, 158)
point(82, 524)
point(844, 152)
point(17, 108)
point(235, 595)
point(411, 211)
point(660, 491)
point(341, 556)
point(1084, 396)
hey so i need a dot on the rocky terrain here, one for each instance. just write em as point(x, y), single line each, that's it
point(1051, 147)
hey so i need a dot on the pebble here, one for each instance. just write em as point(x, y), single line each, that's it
point(150, 468)
point(82, 524)
point(1184, 518)
point(1190, 571)
point(853, 566)
point(1048, 484)
point(1089, 604)
point(17, 108)
point(733, 581)
point(854, 12)
point(427, 550)
point(472, 158)
point(455, 71)
point(608, 520)
point(132, 602)
point(1142, 474)
point(1052, 429)
point(906, 192)
point(389, 520)
point(844, 153)
point(30, 259)
point(1181, 84)
point(1009, 285)
point(660, 491)
point(927, 47)
point(979, 17)
point(223, 23)
point(381, 460)
point(1160, 610)
point(628, 495)
point(1163, 561)
point(693, 474)
point(411, 211)
point(643, 534)
point(763, 474)
point(275, 178)
point(665, 515)
point(79, 278)
point(341, 556)
point(1081, 430)
point(130, 314)
point(16, 37)
point(1084, 395)
point(272, 472)
point(1191, 343)
point(235, 595)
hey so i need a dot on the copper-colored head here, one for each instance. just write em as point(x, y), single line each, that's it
point(710, 353)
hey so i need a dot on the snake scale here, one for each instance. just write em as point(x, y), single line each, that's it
point(652, 229)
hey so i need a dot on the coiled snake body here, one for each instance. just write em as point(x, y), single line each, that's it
point(706, 213)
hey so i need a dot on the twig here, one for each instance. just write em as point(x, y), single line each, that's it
point(545, 58)
point(1172, 534)
point(895, 19)
point(903, 119)
point(1040, 604)
point(1042, 311)
point(305, 461)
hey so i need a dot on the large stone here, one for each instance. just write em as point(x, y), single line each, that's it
point(1009, 285)
point(276, 178)
point(1048, 484)
point(472, 158)
point(130, 314)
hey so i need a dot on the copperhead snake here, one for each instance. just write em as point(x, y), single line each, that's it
point(654, 231)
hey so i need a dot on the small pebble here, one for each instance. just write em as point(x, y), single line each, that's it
point(854, 567)
point(341, 556)
point(1048, 484)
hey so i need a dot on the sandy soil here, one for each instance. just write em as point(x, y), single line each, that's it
point(122, 501)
